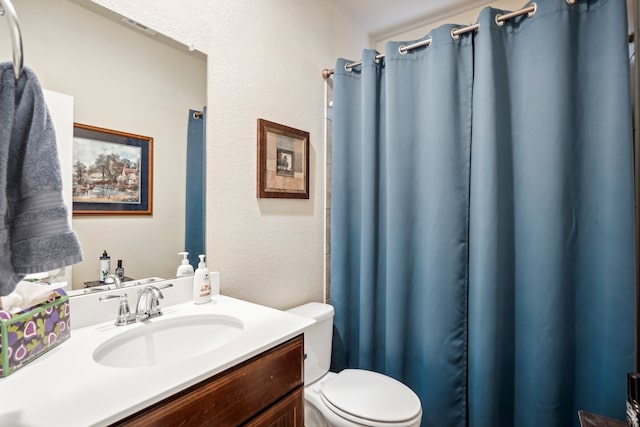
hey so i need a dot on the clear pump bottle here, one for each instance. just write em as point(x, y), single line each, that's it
point(184, 269)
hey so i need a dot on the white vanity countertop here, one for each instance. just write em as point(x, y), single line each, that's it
point(66, 387)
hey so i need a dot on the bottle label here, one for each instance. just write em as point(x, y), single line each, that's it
point(205, 290)
point(104, 270)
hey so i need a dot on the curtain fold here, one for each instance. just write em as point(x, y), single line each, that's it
point(482, 218)
point(399, 219)
point(551, 293)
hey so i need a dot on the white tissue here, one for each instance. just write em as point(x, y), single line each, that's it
point(28, 294)
point(47, 276)
point(11, 302)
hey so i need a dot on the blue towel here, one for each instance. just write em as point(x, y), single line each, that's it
point(35, 235)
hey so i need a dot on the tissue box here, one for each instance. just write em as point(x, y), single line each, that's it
point(32, 332)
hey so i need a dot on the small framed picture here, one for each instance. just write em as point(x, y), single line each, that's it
point(283, 161)
point(112, 172)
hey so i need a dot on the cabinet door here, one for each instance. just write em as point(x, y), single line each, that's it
point(289, 412)
point(233, 397)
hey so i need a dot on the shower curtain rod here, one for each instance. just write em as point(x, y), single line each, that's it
point(16, 35)
point(455, 34)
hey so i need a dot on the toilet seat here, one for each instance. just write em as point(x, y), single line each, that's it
point(371, 399)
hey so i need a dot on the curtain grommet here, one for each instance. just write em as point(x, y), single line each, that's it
point(429, 41)
point(499, 23)
point(347, 68)
point(533, 12)
point(571, 2)
point(406, 48)
point(454, 35)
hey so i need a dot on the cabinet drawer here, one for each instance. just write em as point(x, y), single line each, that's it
point(289, 412)
point(233, 396)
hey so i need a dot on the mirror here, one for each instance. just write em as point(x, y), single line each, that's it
point(130, 79)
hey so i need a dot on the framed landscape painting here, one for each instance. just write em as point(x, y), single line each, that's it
point(112, 172)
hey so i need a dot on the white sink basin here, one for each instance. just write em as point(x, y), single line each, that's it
point(167, 340)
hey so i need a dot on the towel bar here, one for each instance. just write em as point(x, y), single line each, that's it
point(6, 8)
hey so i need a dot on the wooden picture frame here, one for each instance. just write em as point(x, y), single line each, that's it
point(112, 172)
point(283, 161)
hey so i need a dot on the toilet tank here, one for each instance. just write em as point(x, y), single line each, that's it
point(317, 339)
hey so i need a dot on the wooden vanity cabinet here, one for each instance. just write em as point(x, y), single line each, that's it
point(266, 390)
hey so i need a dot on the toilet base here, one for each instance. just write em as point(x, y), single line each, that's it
point(313, 405)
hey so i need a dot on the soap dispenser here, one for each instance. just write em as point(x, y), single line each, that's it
point(201, 283)
point(184, 269)
point(105, 267)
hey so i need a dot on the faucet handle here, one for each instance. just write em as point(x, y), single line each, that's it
point(124, 316)
point(155, 290)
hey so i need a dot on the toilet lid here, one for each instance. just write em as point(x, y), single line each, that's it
point(371, 396)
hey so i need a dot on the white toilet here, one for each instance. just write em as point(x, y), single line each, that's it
point(353, 397)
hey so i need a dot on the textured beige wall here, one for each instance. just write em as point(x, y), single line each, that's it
point(265, 59)
point(123, 80)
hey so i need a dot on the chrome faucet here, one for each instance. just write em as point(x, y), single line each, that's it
point(148, 305)
point(149, 302)
point(116, 280)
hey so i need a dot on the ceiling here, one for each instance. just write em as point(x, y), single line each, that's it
point(386, 18)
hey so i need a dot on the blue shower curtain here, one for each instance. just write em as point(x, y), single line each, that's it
point(482, 218)
point(551, 295)
point(194, 235)
point(399, 230)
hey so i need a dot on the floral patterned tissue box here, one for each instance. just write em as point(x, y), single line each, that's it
point(32, 332)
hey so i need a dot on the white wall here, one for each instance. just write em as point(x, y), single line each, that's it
point(265, 59)
point(120, 79)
